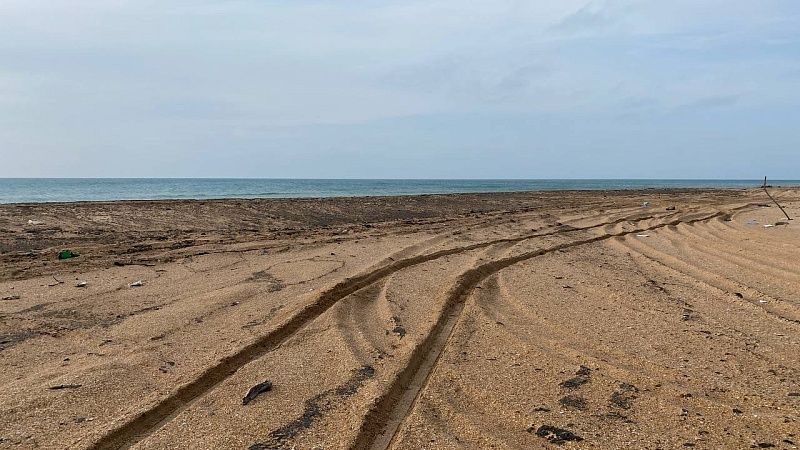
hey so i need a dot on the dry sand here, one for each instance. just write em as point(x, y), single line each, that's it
point(530, 320)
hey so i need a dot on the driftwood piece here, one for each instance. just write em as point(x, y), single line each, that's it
point(775, 201)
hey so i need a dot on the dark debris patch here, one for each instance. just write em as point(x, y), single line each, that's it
point(573, 401)
point(257, 390)
point(64, 386)
point(624, 396)
point(398, 327)
point(556, 435)
point(581, 377)
point(616, 415)
point(574, 383)
point(11, 339)
point(314, 408)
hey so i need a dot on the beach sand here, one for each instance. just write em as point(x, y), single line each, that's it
point(519, 321)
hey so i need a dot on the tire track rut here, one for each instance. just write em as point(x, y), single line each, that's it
point(149, 421)
point(384, 419)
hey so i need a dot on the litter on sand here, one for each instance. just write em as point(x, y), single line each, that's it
point(81, 284)
point(769, 225)
point(642, 235)
point(34, 222)
point(138, 283)
point(67, 254)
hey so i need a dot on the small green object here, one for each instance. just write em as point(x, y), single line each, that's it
point(66, 254)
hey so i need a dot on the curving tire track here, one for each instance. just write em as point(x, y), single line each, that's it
point(776, 307)
point(147, 422)
point(382, 421)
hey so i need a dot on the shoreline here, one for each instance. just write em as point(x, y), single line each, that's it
point(30, 191)
point(643, 190)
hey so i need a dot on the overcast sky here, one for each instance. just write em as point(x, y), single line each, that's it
point(400, 89)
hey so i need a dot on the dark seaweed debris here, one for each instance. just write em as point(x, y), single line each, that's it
point(624, 396)
point(556, 435)
point(398, 327)
point(581, 378)
point(573, 401)
point(256, 390)
point(315, 407)
point(574, 383)
point(65, 386)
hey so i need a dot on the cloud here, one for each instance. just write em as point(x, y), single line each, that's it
point(710, 102)
point(593, 16)
point(119, 81)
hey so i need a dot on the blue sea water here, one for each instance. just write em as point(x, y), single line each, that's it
point(35, 190)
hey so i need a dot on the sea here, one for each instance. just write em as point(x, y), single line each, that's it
point(38, 190)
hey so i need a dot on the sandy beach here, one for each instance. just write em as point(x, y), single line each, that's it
point(652, 319)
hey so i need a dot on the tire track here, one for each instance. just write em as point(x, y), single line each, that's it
point(147, 422)
point(753, 256)
point(750, 295)
point(693, 240)
point(390, 410)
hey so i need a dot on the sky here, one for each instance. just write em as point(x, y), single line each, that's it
point(400, 89)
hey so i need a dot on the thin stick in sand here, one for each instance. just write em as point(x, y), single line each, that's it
point(773, 199)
